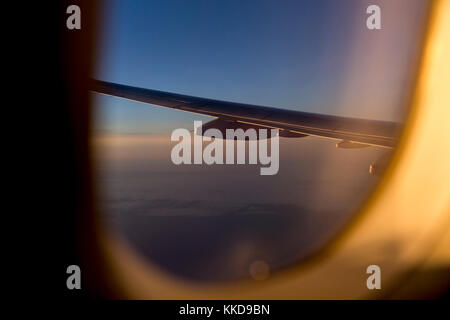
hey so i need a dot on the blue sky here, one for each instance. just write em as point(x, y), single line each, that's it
point(314, 56)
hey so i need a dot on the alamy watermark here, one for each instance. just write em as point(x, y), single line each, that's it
point(374, 280)
point(73, 21)
point(257, 140)
point(74, 279)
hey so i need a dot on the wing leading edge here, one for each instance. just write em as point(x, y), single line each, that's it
point(349, 130)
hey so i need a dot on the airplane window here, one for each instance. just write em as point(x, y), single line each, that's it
point(224, 222)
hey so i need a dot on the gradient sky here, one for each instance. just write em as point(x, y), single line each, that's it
point(315, 56)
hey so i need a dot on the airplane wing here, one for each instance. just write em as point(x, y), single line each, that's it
point(353, 132)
